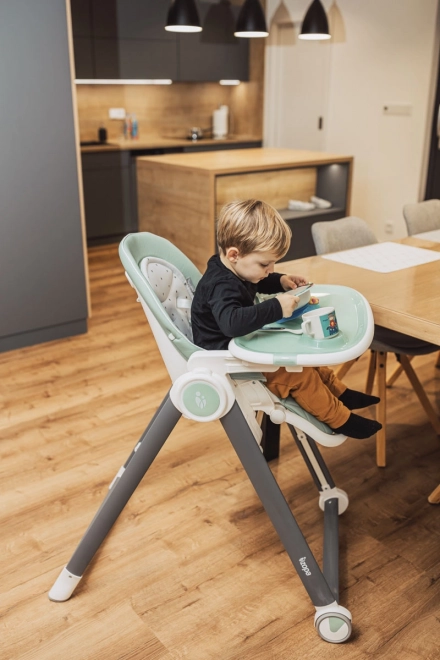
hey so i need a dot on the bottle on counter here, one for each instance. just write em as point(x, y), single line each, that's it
point(134, 127)
point(102, 134)
point(127, 127)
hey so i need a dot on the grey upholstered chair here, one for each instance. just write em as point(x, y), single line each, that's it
point(422, 216)
point(352, 232)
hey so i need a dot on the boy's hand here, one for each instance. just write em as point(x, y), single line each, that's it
point(289, 282)
point(288, 303)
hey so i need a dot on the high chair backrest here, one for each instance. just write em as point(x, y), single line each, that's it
point(164, 279)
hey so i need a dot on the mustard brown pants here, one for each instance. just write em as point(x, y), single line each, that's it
point(316, 389)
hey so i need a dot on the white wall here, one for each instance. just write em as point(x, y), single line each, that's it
point(389, 56)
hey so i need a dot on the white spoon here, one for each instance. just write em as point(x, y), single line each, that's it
point(273, 329)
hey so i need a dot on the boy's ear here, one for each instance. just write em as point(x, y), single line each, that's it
point(232, 254)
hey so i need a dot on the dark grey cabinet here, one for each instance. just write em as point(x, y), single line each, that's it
point(213, 54)
point(135, 59)
point(108, 195)
point(130, 19)
point(123, 39)
point(83, 52)
point(42, 275)
point(126, 39)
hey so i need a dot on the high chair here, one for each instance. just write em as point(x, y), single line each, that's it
point(228, 385)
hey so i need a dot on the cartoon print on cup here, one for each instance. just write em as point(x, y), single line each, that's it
point(329, 325)
point(320, 323)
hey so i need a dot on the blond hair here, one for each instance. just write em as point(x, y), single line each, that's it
point(252, 226)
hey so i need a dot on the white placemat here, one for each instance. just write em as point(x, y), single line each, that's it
point(384, 257)
point(433, 235)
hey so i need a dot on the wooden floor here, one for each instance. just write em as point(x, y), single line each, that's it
point(193, 568)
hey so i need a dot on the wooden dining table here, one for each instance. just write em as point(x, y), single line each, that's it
point(406, 300)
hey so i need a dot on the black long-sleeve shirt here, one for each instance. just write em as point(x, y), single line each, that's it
point(223, 306)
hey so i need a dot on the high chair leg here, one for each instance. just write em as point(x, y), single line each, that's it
point(371, 373)
point(381, 369)
point(276, 507)
point(120, 491)
point(418, 389)
point(332, 621)
point(334, 500)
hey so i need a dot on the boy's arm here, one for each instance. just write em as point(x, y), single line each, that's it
point(233, 319)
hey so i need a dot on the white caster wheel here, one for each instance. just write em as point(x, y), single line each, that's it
point(333, 627)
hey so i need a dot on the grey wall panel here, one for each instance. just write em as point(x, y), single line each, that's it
point(42, 281)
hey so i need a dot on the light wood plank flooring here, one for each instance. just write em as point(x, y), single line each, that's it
point(193, 568)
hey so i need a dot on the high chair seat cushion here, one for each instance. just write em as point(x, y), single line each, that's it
point(172, 289)
point(294, 407)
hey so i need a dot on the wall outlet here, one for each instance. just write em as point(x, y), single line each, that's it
point(116, 113)
point(397, 109)
point(389, 227)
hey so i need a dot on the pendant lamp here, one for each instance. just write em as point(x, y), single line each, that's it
point(251, 21)
point(183, 17)
point(315, 23)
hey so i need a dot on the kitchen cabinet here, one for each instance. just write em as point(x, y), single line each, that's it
point(205, 57)
point(130, 19)
point(135, 58)
point(108, 195)
point(43, 289)
point(119, 39)
point(126, 39)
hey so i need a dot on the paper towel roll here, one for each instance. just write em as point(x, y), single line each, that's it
point(220, 122)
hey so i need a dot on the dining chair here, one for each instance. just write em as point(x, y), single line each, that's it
point(422, 216)
point(352, 232)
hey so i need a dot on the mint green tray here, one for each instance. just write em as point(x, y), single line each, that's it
point(356, 325)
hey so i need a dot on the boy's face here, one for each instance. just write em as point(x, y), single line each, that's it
point(253, 267)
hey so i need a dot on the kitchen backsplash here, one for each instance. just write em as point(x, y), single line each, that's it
point(170, 110)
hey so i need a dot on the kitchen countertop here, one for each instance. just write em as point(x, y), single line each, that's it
point(157, 142)
point(245, 160)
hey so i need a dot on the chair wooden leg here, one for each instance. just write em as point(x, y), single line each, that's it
point(437, 364)
point(418, 389)
point(396, 373)
point(344, 368)
point(381, 369)
point(434, 498)
point(371, 373)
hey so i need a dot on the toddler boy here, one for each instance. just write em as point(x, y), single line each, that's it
point(251, 237)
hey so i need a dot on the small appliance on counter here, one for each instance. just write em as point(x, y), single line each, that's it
point(220, 123)
point(195, 133)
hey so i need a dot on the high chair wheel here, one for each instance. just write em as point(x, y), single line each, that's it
point(334, 626)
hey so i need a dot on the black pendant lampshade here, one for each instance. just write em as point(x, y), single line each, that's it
point(183, 17)
point(315, 23)
point(251, 21)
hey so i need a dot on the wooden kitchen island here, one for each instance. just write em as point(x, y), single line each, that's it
point(180, 195)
